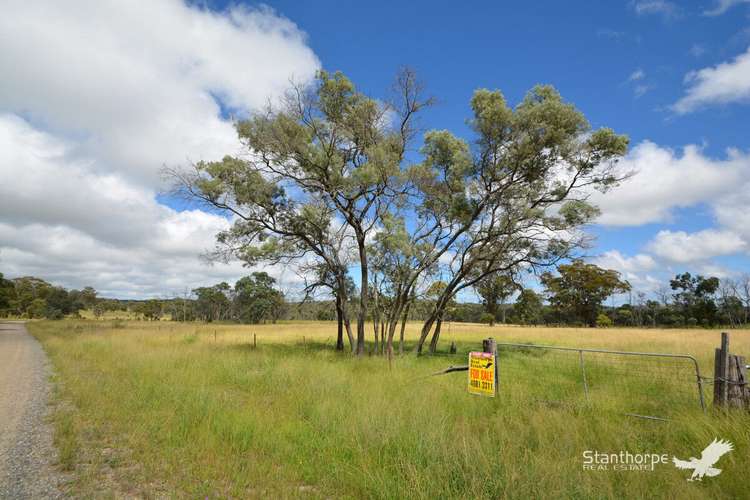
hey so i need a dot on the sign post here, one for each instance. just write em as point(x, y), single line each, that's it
point(482, 374)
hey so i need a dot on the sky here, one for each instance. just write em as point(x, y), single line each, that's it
point(97, 97)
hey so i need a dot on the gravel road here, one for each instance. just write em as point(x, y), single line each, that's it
point(26, 449)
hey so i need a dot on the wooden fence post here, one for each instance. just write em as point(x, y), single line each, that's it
point(490, 345)
point(721, 372)
point(730, 378)
point(738, 391)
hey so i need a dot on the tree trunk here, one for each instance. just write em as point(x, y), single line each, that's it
point(348, 327)
point(492, 308)
point(439, 310)
point(345, 309)
point(426, 327)
point(436, 335)
point(382, 337)
point(340, 324)
point(375, 318)
point(362, 313)
point(403, 327)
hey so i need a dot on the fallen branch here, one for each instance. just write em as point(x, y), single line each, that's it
point(461, 368)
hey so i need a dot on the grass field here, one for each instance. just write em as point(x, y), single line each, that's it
point(164, 409)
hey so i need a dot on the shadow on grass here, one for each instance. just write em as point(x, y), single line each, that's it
point(328, 346)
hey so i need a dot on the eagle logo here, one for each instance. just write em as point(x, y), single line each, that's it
point(704, 466)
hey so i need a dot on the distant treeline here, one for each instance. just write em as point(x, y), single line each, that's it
point(573, 297)
point(253, 299)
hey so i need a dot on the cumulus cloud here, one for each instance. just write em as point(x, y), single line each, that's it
point(721, 84)
point(95, 98)
point(138, 85)
point(637, 270)
point(613, 259)
point(665, 180)
point(682, 247)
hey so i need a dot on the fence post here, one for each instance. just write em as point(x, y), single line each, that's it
point(721, 371)
point(490, 345)
point(737, 391)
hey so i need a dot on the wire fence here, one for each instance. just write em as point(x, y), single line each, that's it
point(650, 385)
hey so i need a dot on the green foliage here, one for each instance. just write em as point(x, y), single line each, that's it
point(256, 299)
point(528, 307)
point(151, 309)
point(331, 153)
point(37, 309)
point(494, 288)
point(580, 289)
point(212, 303)
point(603, 321)
point(694, 295)
point(7, 293)
point(487, 318)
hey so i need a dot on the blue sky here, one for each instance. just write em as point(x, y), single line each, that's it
point(85, 129)
point(588, 50)
point(623, 64)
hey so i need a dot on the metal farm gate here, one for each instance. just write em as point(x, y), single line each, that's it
point(641, 384)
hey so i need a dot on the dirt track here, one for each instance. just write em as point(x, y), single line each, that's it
point(26, 449)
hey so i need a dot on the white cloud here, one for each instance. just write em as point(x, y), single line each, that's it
point(636, 75)
point(613, 259)
point(636, 269)
point(637, 81)
point(732, 211)
point(725, 83)
point(722, 6)
point(95, 98)
point(683, 248)
point(697, 50)
point(135, 84)
point(640, 90)
point(661, 7)
point(665, 180)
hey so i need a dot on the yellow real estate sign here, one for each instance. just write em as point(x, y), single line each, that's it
point(482, 373)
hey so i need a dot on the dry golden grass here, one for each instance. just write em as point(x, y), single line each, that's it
point(192, 410)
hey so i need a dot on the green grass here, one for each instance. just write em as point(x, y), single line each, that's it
point(194, 411)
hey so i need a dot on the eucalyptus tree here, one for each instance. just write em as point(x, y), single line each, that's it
point(580, 288)
point(528, 307)
point(326, 277)
point(402, 263)
point(326, 151)
point(328, 164)
point(494, 288)
point(521, 186)
point(742, 291)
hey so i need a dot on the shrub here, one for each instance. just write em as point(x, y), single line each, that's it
point(487, 318)
point(53, 313)
point(603, 320)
